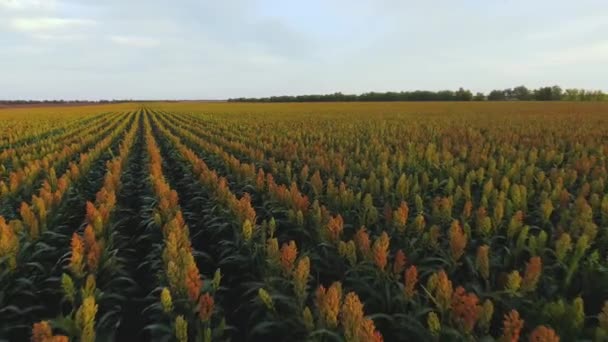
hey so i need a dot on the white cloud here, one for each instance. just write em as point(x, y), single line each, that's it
point(45, 24)
point(59, 37)
point(28, 5)
point(135, 41)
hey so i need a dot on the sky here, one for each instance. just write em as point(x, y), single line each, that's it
point(187, 49)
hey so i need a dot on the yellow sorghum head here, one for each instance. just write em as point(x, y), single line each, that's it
point(483, 261)
point(181, 329)
point(342, 249)
point(217, 278)
point(351, 252)
point(487, 311)
point(513, 282)
point(90, 285)
point(300, 277)
point(308, 319)
point(166, 300)
point(434, 235)
point(443, 291)
point(272, 227)
point(85, 318)
point(67, 285)
point(419, 223)
point(351, 316)
point(247, 230)
point(272, 250)
point(562, 246)
point(433, 323)
point(265, 298)
point(579, 312)
point(31, 221)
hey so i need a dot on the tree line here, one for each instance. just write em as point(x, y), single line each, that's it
point(520, 93)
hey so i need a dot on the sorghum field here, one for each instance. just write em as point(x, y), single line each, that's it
point(293, 222)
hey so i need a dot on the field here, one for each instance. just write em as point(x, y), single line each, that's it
point(291, 222)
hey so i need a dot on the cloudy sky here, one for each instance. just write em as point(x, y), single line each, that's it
point(187, 49)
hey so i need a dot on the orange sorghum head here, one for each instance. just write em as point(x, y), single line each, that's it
point(93, 256)
point(400, 261)
point(532, 274)
point(9, 244)
point(205, 307)
point(89, 237)
point(465, 309)
point(328, 304)
point(77, 257)
point(411, 279)
point(380, 250)
point(512, 326)
point(467, 210)
point(289, 252)
point(543, 334)
point(363, 242)
point(41, 332)
point(400, 217)
point(368, 332)
point(193, 282)
point(458, 240)
point(334, 227)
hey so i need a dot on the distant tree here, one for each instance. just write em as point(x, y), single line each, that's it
point(542, 94)
point(548, 93)
point(556, 93)
point(463, 95)
point(479, 97)
point(521, 93)
point(573, 94)
point(497, 95)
